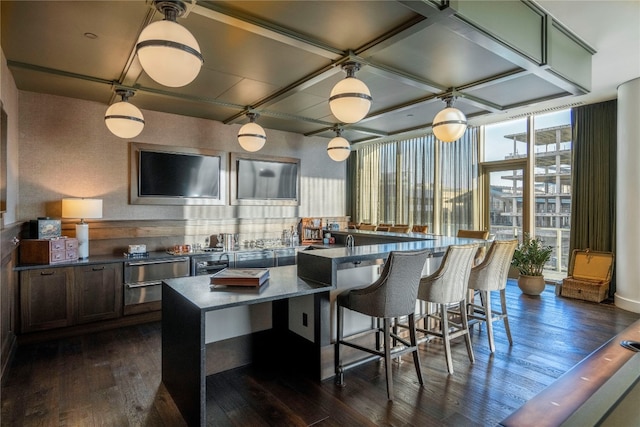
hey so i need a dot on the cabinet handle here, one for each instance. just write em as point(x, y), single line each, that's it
point(46, 273)
point(98, 268)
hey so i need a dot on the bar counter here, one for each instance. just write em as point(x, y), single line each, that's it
point(293, 306)
point(185, 304)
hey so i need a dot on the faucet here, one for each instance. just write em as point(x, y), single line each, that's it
point(350, 240)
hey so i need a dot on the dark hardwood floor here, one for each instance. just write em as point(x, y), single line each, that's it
point(113, 378)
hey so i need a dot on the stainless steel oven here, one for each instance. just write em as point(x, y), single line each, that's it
point(143, 281)
point(210, 263)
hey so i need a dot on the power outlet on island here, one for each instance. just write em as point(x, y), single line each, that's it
point(305, 319)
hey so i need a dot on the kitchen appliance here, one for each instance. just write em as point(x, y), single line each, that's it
point(210, 263)
point(255, 259)
point(143, 282)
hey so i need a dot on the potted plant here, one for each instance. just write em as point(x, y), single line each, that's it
point(529, 258)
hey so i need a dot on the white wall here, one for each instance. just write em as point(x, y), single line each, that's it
point(67, 151)
point(628, 197)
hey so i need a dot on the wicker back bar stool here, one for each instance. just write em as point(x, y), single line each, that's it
point(491, 275)
point(445, 290)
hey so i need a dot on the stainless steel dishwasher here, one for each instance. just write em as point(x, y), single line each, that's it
point(143, 282)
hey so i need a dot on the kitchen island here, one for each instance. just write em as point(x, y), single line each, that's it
point(186, 303)
point(299, 312)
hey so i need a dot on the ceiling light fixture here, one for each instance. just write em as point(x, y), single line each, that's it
point(167, 51)
point(124, 119)
point(251, 136)
point(338, 148)
point(450, 123)
point(350, 98)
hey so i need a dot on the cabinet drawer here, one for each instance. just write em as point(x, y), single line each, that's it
point(44, 251)
point(57, 256)
point(57, 245)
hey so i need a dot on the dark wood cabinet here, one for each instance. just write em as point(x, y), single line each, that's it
point(46, 300)
point(97, 292)
point(66, 296)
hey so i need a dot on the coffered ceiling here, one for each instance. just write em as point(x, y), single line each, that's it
point(281, 58)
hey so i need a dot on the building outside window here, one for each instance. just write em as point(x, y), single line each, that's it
point(552, 181)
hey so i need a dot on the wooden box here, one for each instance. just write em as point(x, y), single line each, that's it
point(48, 251)
point(589, 275)
point(311, 231)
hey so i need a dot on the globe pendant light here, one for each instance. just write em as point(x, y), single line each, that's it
point(251, 136)
point(449, 124)
point(338, 148)
point(167, 51)
point(350, 99)
point(124, 119)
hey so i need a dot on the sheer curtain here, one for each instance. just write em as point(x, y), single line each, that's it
point(458, 189)
point(396, 182)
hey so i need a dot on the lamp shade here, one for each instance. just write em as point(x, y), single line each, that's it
point(82, 208)
point(124, 120)
point(449, 124)
point(338, 149)
point(169, 53)
point(350, 100)
point(252, 137)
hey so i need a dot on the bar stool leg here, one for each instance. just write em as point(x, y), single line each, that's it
point(414, 343)
point(339, 333)
point(387, 357)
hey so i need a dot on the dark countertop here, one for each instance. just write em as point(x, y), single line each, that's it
point(109, 259)
point(283, 283)
point(99, 259)
point(321, 265)
point(340, 254)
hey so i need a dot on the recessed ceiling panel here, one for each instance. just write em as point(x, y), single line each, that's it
point(518, 91)
point(61, 85)
point(235, 51)
point(438, 54)
point(343, 25)
point(297, 103)
point(302, 127)
point(419, 116)
point(183, 107)
point(51, 34)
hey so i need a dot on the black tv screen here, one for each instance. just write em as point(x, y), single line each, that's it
point(269, 180)
point(167, 174)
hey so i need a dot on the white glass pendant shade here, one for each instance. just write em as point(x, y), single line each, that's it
point(252, 137)
point(124, 120)
point(338, 149)
point(350, 100)
point(449, 124)
point(169, 53)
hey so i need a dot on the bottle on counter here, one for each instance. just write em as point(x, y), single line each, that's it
point(294, 237)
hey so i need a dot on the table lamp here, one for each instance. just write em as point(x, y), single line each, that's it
point(82, 208)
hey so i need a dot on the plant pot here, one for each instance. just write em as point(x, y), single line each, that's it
point(531, 285)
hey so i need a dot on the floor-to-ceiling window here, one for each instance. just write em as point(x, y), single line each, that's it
point(550, 205)
point(418, 181)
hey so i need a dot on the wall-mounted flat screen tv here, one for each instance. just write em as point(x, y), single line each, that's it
point(177, 175)
point(265, 180)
